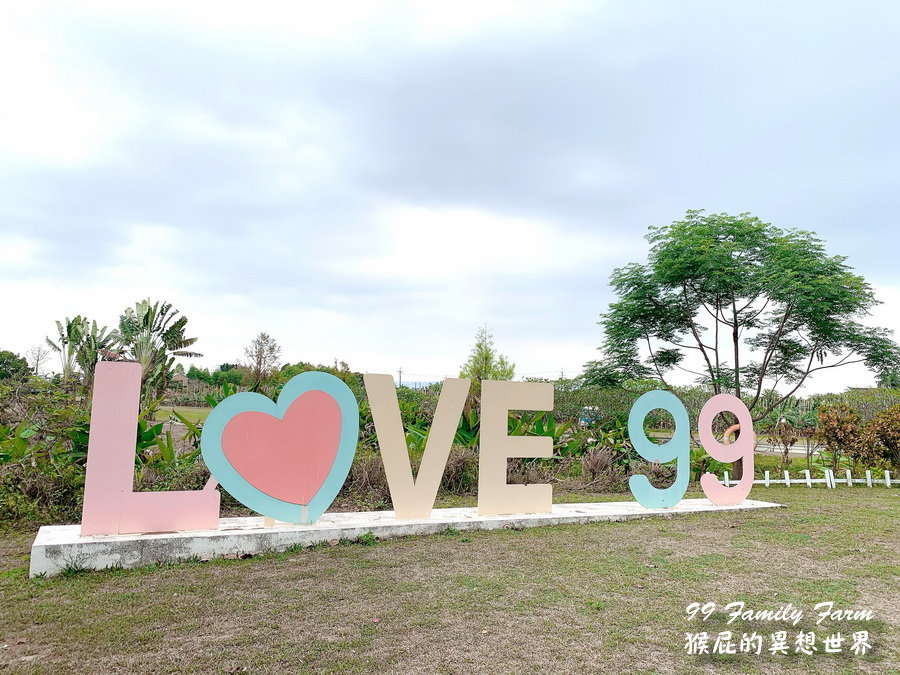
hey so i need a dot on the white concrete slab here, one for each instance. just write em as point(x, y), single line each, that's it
point(58, 547)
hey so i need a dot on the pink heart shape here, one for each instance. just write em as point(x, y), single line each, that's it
point(286, 458)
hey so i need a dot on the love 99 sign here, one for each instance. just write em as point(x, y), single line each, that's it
point(287, 459)
point(679, 448)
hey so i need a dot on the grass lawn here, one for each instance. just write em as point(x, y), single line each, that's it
point(605, 597)
point(191, 414)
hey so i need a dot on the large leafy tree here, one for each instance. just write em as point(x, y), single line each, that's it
point(13, 366)
point(763, 309)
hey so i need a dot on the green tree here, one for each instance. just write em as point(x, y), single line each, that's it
point(153, 335)
point(13, 366)
point(886, 429)
point(262, 359)
point(484, 363)
point(195, 373)
point(889, 379)
point(758, 305)
point(231, 376)
point(340, 370)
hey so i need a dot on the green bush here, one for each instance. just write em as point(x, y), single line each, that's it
point(886, 429)
point(40, 495)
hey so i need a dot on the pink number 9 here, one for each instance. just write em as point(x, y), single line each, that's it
point(742, 448)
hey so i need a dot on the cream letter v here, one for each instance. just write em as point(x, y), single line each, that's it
point(414, 498)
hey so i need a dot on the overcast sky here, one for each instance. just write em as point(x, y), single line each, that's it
point(373, 181)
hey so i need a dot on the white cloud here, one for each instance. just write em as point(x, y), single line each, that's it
point(18, 252)
point(464, 245)
point(373, 181)
point(55, 112)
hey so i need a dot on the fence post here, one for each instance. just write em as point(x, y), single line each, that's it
point(887, 478)
point(725, 481)
point(829, 478)
point(808, 478)
point(849, 479)
point(767, 479)
point(868, 478)
point(787, 479)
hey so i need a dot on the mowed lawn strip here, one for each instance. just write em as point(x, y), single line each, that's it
point(604, 597)
point(191, 414)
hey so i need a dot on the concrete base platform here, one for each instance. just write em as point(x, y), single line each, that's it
point(60, 547)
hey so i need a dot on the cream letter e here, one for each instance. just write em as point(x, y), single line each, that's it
point(495, 496)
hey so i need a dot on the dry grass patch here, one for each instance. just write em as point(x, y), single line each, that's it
point(605, 597)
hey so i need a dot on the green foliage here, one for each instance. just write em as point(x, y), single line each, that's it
point(580, 402)
point(153, 335)
point(44, 429)
point(889, 379)
point(96, 344)
point(484, 363)
point(614, 371)
point(81, 344)
point(545, 424)
point(13, 366)
point(844, 435)
point(150, 334)
point(14, 446)
point(263, 356)
point(468, 430)
point(340, 370)
point(195, 373)
point(885, 428)
point(866, 403)
point(781, 309)
point(40, 494)
point(70, 333)
point(234, 376)
point(194, 430)
point(42, 423)
point(615, 440)
point(367, 539)
point(216, 397)
point(702, 463)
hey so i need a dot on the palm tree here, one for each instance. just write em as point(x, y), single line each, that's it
point(153, 335)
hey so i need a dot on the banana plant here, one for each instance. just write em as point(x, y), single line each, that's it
point(194, 429)
point(153, 335)
point(70, 333)
point(96, 345)
point(216, 397)
point(468, 430)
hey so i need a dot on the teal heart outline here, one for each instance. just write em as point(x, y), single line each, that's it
point(251, 496)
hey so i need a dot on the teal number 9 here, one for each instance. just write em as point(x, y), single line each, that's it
point(679, 448)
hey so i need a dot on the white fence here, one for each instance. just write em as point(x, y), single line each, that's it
point(831, 480)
